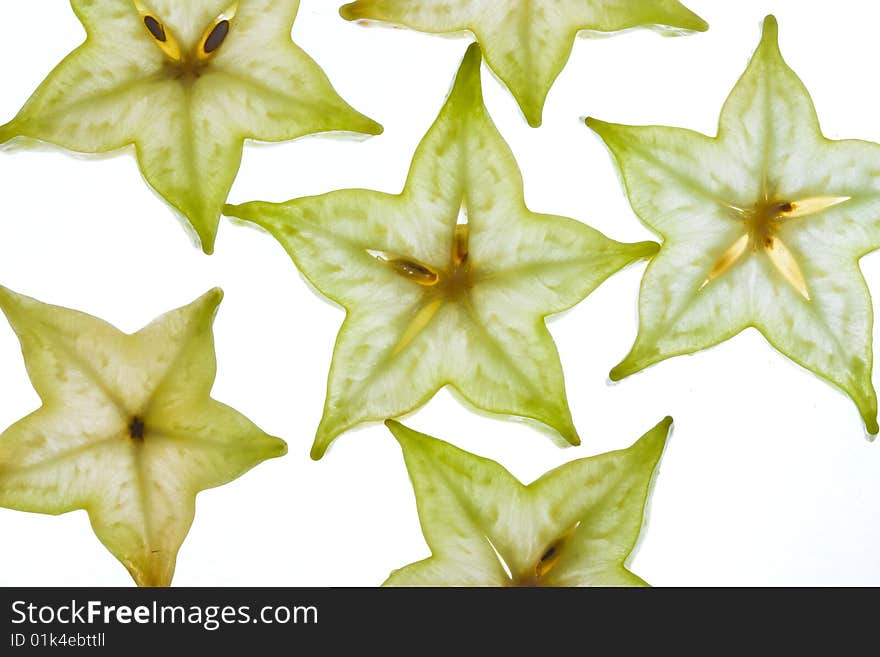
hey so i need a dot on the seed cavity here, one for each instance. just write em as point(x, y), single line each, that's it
point(417, 324)
point(806, 206)
point(787, 265)
point(548, 560)
point(215, 34)
point(728, 259)
point(553, 553)
point(136, 429)
point(162, 36)
point(501, 560)
point(156, 29)
point(216, 37)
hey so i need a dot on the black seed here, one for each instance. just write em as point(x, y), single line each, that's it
point(548, 554)
point(786, 207)
point(155, 28)
point(216, 37)
point(136, 429)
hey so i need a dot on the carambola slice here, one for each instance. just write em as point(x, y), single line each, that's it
point(763, 226)
point(185, 82)
point(447, 283)
point(575, 526)
point(127, 430)
point(527, 42)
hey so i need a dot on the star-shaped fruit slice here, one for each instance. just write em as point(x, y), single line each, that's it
point(447, 283)
point(185, 82)
point(527, 44)
point(762, 226)
point(127, 429)
point(575, 526)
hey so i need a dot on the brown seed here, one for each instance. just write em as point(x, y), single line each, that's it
point(136, 429)
point(414, 271)
point(460, 244)
point(155, 28)
point(216, 37)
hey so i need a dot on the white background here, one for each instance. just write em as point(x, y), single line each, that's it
point(768, 478)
